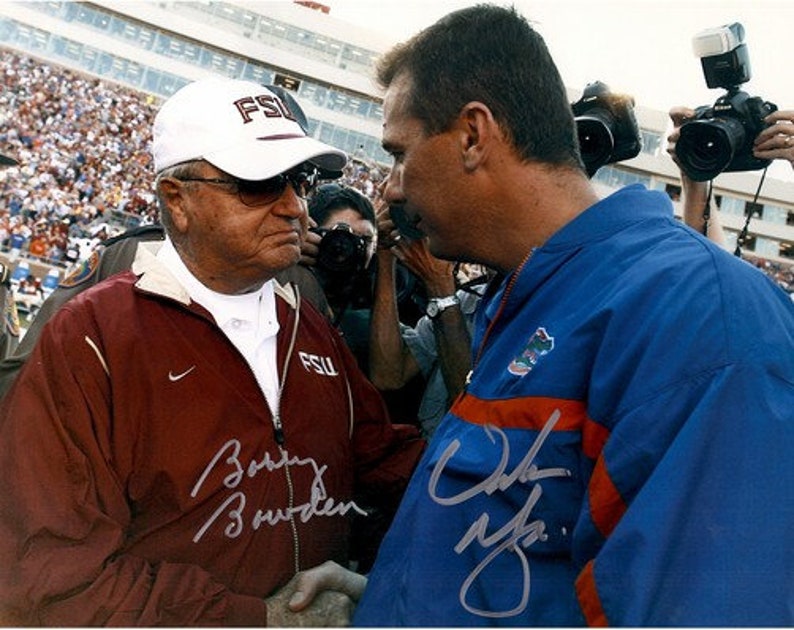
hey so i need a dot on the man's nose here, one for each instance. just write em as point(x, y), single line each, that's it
point(290, 204)
point(392, 189)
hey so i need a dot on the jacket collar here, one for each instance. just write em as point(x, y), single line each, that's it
point(154, 277)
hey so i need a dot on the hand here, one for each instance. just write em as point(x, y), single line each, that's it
point(310, 246)
point(324, 596)
point(777, 140)
point(436, 274)
point(388, 235)
point(328, 576)
point(678, 115)
point(696, 195)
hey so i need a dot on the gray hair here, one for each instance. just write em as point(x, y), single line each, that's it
point(177, 171)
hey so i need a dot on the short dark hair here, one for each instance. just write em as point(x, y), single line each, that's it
point(330, 197)
point(492, 55)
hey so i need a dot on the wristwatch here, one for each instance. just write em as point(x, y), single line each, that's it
point(436, 306)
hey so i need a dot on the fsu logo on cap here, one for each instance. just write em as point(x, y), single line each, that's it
point(539, 344)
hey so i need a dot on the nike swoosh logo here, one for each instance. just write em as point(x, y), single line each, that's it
point(176, 377)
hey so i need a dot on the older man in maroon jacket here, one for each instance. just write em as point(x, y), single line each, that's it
point(187, 436)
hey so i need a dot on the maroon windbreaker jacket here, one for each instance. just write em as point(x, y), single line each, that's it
point(143, 479)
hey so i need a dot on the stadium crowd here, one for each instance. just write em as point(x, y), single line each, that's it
point(84, 168)
point(82, 149)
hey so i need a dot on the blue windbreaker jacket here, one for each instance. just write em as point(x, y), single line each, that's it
point(624, 453)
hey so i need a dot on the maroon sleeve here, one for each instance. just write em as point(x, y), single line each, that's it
point(63, 513)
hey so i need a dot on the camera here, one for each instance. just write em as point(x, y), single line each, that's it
point(341, 267)
point(341, 251)
point(606, 126)
point(720, 138)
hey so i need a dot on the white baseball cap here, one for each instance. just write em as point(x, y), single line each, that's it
point(240, 127)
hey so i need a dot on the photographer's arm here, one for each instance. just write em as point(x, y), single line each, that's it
point(453, 342)
point(695, 195)
point(696, 199)
point(391, 364)
point(310, 244)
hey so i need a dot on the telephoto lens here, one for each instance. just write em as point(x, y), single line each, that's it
point(706, 147)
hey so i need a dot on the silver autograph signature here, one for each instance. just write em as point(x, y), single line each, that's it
point(519, 532)
point(232, 509)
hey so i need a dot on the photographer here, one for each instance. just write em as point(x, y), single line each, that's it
point(774, 142)
point(699, 208)
point(738, 132)
point(339, 251)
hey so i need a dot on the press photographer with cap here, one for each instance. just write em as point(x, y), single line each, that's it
point(188, 441)
point(347, 231)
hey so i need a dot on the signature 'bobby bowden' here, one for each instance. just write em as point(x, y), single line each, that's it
point(516, 535)
point(233, 508)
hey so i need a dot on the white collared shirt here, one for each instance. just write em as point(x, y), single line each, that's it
point(248, 320)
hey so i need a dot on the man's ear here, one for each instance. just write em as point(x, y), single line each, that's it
point(478, 132)
point(171, 192)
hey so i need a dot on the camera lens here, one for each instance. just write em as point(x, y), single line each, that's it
point(341, 251)
point(595, 142)
point(706, 147)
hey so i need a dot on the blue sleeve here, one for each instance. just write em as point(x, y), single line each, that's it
point(692, 535)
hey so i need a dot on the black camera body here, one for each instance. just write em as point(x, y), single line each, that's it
point(341, 251)
point(606, 126)
point(720, 138)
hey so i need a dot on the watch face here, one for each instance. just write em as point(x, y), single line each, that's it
point(432, 308)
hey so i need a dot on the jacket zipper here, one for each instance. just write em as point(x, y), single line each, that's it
point(502, 303)
point(278, 434)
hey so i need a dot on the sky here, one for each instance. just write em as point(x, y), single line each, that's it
point(637, 47)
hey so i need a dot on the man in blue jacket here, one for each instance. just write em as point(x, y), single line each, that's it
point(622, 453)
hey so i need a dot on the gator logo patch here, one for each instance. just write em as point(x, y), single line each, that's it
point(539, 344)
point(83, 271)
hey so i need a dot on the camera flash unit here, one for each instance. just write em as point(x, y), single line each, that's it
point(717, 41)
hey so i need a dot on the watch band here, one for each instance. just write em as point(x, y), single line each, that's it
point(436, 306)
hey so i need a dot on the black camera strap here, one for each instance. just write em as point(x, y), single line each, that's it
point(743, 234)
point(707, 210)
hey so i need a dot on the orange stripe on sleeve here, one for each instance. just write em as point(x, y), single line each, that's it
point(587, 593)
point(606, 505)
point(594, 436)
point(521, 413)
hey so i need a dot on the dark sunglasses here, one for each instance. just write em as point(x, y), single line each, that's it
point(253, 193)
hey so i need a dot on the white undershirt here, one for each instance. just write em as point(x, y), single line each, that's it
point(248, 320)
